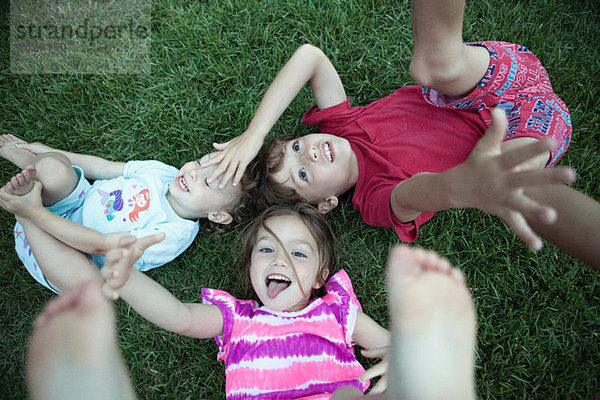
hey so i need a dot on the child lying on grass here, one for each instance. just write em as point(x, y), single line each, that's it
point(477, 132)
point(65, 225)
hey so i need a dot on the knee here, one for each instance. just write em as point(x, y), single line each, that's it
point(434, 72)
point(55, 172)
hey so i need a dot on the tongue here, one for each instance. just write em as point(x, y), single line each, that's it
point(276, 287)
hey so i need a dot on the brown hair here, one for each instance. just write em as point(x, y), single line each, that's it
point(241, 211)
point(317, 226)
point(263, 190)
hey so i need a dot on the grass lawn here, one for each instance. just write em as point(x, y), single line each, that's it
point(211, 62)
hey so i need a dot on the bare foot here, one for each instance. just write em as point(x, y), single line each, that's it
point(9, 139)
point(433, 328)
point(9, 150)
point(21, 183)
point(73, 352)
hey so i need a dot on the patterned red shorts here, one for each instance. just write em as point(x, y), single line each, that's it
point(517, 82)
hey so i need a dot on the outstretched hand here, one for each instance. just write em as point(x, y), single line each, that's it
point(119, 262)
point(233, 157)
point(379, 369)
point(492, 181)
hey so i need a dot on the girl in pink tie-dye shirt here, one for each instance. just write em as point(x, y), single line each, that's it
point(299, 342)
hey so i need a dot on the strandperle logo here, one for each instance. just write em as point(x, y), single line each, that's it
point(82, 31)
point(80, 37)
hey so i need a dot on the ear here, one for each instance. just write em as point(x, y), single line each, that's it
point(220, 217)
point(327, 205)
point(324, 274)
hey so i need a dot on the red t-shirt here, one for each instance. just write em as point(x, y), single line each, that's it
point(395, 138)
point(416, 129)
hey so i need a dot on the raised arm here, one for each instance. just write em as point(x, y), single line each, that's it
point(151, 300)
point(93, 167)
point(308, 65)
point(488, 180)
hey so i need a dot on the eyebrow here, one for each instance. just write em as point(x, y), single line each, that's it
point(293, 176)
point(292, 242)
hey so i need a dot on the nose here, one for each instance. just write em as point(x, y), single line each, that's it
point(279, 260)
point(312, 154)
point(194, 174)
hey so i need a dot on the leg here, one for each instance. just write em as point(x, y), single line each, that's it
point(441, 60)
point(73, 353)
point(62, 266)
point(433, 324)
point(433, 331)
point(53, 169)
point(577, 226)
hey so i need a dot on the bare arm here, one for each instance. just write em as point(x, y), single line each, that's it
point(375, 341)
point(308, 65)
point(93, 167)
point(154, 302)
point(368, 334)
point(488, 180)
point(77, 236)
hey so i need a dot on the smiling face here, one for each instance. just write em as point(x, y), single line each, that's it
point(279, 285)
point(318, 166)
point(192, 197)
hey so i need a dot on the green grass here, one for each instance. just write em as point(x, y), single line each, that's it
point(211, 63)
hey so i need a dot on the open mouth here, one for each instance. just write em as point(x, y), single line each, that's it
point(276, 283)
point(328, 151)
point(181, 182)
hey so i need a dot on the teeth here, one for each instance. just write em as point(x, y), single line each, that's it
point(328, 152)
point(183, 184)
point(278, 277)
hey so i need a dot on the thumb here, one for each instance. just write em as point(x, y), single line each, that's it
point(221, 146)
point(37, 187)
point(495, 132)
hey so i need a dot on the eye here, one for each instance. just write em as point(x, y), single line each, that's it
point(296, 147)
point(302, 174)
point(298, 254)
point(265, 250)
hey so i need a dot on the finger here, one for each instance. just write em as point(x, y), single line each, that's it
point(378, 352)
point(109, 292)
point(227, 176)
point(495, 132)
point(376, 370)
point(532, 209)
point(517, 223)
point(212, 159)
point(380, 386)
point(147, 241)
point(239, 174)
point(221, 146)
point(223, 166)
point(519, 155)
point(545, 176)
point(37, 188)
point(127, 241)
